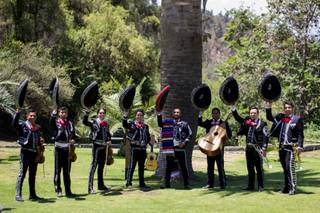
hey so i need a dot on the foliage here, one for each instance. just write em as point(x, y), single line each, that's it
point(35, 66)
point(283, 42)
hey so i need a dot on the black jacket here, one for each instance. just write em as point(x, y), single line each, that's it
point(28, 139)
point(137, 136)
point(255, 134)
point(97, 132)
point(207, 124)
point(287, 133)
point(61, 132)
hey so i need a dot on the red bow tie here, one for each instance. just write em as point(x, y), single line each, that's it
point(62, 122)
point(251, 123)
point(139, 124)
point(286, 119)
point(103, 123)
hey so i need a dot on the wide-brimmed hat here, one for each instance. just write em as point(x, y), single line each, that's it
point(21, 93)
point(229, 91)
point(127, 97)
point(161, 98)
point(201, 97)
point(270, 87)
point(90, 95)
point(54, 91)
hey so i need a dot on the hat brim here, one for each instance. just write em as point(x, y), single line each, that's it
point(21, 93)
point(270, 88)
point(229, 91)
point(161, 98)
point(90, 95)
point(201, 97)
point(127, 97)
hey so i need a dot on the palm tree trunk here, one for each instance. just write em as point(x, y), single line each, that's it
point(181, 51)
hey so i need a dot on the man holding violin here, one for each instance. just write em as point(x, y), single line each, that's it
point(29, 139)
point(63, 137)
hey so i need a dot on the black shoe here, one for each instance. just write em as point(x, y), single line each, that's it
point(91, 191)
point(248, 189)
point(59, 194)
point(34, 197)
point(260, 189)
point(284, 191)
point(19, 199)
point(70, 194)
point(103, 188)
point(208, 186)
point(291, 192)
point(164, 186)
point(186, 187)
point(128, 186)
point(144, 187)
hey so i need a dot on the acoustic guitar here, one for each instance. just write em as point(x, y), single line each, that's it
point(151, 163)
point(211, 144)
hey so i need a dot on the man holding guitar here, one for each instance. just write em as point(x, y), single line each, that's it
point(208, 124)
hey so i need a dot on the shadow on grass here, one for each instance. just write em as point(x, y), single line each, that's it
point(273, 182)
point(2, 209)
point(13, 158)
point(77, 197)
point(47, 200)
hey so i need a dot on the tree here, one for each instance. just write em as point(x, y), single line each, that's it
point(181, 48)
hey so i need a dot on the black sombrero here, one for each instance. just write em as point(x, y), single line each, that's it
point(161, 98)
point(270, 88)
point(201, 97)
point(229, 91)
point(21, 93)
point(54, 91)
point(90, 95)
point(127, 97)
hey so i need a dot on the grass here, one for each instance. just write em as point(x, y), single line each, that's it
point(233, 199)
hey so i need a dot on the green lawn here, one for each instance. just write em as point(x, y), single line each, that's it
point(233, 199)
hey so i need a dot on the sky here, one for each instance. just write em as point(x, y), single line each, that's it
point(259, 6)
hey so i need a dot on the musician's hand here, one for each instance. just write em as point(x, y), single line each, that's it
point(300, 150)
point(109, 143)
point(200, 114)
point(182, 145)
point(41, 140)
point(125, 114)
point(264, 153)
point(18, 110)
point(233, 108)
point(72, 141)
point(268, 104)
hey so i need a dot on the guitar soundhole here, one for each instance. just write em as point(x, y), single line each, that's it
point(151, 158)
point(216, 133)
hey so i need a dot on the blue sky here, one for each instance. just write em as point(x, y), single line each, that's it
point(259, 6)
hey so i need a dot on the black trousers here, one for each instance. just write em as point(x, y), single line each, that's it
point(287, 160)
point(27, 161)
point(98, 159)
point(219, 159)
point(138, 155)
point(254, 161)
point(61, 161)
point(180, 155)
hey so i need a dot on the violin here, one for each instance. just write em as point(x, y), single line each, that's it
point(72, 153)
point(40, 153)
point(110, 159)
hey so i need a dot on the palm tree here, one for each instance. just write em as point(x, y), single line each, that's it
point(181, 52)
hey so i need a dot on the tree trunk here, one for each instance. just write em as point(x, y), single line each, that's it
point(181, 49)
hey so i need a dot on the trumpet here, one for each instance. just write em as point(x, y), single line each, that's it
point(260, 152)
point(297, 158)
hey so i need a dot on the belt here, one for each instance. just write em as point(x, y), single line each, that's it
point(31, 150)
point(100, 142)
point(286, 145)
point(139, 148)
point(61, 144)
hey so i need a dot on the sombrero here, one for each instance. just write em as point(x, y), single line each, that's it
point(21, 93)
point(127, 97)
point(201, 97)
point(90, 95)
point(161, 98)
point(229, 91)
point(270, 88)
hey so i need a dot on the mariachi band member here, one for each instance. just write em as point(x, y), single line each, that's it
point(139, 137)
point(288, 128)
point(180, 133)
point(29, 138)
point(207, 124)
point(63, 136)
point(101, 138)
point(256, 132)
